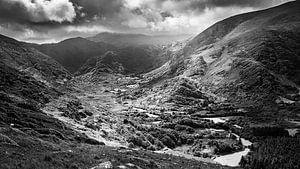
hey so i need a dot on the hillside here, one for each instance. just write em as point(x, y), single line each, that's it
point(127, 60)
point(35, 135)
point(73, 53)
point(17, 55)
point(137, 53)
point(227, 98)
point(246, 59)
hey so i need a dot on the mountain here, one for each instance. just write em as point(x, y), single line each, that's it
point(79, 55)
point(32, 137)
point(28, 81)
point(19, 56)
point(127, 60)
point(203, 99)
point(250, 59)
point(245, 69)
point(126, 40)
point(73, 53)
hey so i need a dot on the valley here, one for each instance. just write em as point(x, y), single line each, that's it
point(118, 118)
point(226, 98)
point(120, 115)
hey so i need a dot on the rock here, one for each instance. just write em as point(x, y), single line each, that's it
point(103, 165)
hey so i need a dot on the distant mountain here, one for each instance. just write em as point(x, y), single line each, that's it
point(136, 52)
point(18, 55)
point(127, 60)
point(73, 53)
point(125, 40)
point(248, 59)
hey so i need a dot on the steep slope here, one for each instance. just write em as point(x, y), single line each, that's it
point(24, 128)
point(249, 59)
point(31, 137)
point(19, 56)
point(126, 40)
point(73, 53)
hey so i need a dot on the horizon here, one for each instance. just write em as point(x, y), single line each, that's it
point(53, 21)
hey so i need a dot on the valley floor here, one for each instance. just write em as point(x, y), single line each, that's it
point(133, 126)
point(114, 111)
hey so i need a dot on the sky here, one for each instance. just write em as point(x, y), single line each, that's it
point(45, 21)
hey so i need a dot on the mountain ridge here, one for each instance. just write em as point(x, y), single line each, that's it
point(235, 52)
point(127, 39)
point(21, 57)
point(73, 53)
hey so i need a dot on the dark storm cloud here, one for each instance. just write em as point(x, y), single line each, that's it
point(51, 12)
point(59, 19)
point(100, 8)
point(166, 14)
point(36, 11)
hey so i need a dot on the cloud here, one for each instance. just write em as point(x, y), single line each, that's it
point(186, 16)
point(194, 22)
point(54, 20)
point(200, 5)
point(108, 9)
point(86, 29)
point(35, 11)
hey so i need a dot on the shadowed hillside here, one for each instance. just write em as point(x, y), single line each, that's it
point(128, 60)
point(42, 67)
point(73, 53)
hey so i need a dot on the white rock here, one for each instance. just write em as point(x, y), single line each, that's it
point(105, 165)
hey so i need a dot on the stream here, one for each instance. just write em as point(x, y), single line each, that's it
point(233, 159)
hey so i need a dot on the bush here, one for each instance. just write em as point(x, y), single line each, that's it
point(167, 141)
